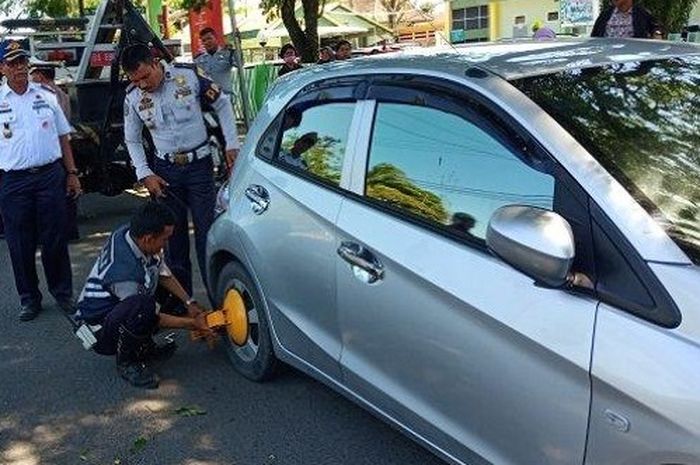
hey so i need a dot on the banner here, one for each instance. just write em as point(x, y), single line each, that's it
point(209, 16)
point(578, 12)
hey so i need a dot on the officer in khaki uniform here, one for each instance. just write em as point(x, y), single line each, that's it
point(168, 100)
point(37, 171)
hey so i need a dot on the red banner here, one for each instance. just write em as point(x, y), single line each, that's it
point(209, 16)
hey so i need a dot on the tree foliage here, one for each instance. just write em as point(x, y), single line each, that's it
point(672, 14)
point(640, 121)
point(388, 183)
point(303, 31)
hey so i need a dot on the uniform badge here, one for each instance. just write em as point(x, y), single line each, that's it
point(180, 80)
point(6, 131)
point(145, 103)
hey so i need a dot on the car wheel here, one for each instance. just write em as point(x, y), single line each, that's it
point(255, 359)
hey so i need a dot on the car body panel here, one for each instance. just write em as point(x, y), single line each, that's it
point(465, 342)
point(418, 370)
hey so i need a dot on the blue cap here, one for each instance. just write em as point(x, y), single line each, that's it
point(11, 49)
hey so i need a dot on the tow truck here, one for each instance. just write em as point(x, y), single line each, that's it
point(88, 49)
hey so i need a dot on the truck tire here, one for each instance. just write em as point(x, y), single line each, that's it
point(255, 359)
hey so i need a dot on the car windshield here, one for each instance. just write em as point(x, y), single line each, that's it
point(641, 121)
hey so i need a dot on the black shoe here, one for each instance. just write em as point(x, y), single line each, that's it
point(159, 352)
point(138, 375)
point(66, 305)
point(29, 312)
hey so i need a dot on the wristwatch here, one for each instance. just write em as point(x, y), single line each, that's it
point(73, 172)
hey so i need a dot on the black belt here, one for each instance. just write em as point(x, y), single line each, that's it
point(35, 169)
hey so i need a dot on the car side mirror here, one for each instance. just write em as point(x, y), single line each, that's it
point(533, 240)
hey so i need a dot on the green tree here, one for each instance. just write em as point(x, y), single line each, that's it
point(305, 38)
point(388, 183)
point(672, 14)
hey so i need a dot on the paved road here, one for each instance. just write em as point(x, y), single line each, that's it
point(62, 405)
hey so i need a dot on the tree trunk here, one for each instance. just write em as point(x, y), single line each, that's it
point(306, 42)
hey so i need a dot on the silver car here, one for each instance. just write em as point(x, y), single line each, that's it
point(494, 248)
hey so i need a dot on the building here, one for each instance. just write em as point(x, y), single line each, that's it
point(482, 20)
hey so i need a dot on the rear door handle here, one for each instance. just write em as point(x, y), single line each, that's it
point(259, 198)
point(365, 265)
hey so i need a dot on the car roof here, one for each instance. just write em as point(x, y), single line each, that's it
point(514, 59)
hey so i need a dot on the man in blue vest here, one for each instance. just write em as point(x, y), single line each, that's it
point(118, 300)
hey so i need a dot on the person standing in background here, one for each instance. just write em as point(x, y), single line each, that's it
point(46, 75)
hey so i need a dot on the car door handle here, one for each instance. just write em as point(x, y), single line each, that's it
point(259, 198)
point(362, 260)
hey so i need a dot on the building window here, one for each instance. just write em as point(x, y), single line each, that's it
point(474, 19)
point(519, 20)
point(553, 16)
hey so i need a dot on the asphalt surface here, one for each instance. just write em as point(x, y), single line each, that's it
point(62, 405)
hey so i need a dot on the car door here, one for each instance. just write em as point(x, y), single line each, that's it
point(464, 351)
point(292, 200)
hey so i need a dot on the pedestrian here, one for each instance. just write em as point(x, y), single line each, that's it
point(325, 55)
point(343, 50)
point(622, 18)
point(168, 100)
point(288, 53)
point(542, 32)
point(217, 61)
point(46, 74)
point(38, 171)
point(119, 300)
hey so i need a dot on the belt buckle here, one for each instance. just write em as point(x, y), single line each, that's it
point(181, 159)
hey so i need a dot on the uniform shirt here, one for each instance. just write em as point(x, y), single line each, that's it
point(218, 66)
point(30, 125)
point(620, 24)
point(121, 270)
point(173, 115)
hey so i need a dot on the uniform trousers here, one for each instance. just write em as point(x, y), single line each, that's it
point(191, 186)
point(136, 314)
point(33, 206)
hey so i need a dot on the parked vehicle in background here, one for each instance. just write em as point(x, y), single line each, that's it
point(88, 49)
point(495, 248)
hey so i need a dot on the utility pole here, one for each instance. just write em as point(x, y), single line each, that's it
point(239, 64)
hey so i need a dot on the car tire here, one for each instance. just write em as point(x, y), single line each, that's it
point(255, 359)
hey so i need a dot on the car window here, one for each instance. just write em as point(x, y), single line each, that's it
point(314, 140)
point(640, 121)
point(447, 170)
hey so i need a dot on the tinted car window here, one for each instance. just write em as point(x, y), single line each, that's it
point(314, 140)
point(447, 170)
point(640, 121)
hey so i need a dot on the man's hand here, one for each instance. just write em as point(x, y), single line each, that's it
point(194, 309)
point(231, 156)
point(155, 185)
point(199, 324)
point(73, 187)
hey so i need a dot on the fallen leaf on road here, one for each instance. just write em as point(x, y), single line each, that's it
point(190, 411)
point(139, 444)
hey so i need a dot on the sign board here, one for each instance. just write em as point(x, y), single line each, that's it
point(457, 36)
point(578, 12)
point(211, 15)
point(103, 58)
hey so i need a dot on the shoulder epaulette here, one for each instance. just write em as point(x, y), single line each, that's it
point(191, 66)
point(130, 87)
point(45, 87)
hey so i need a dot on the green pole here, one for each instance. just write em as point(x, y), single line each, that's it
point(154, 10)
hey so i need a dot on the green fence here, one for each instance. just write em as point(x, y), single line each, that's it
point(258, 79)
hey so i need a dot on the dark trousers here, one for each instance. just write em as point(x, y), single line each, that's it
point(33, 205)
point(190, 187)
point(137, 314)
